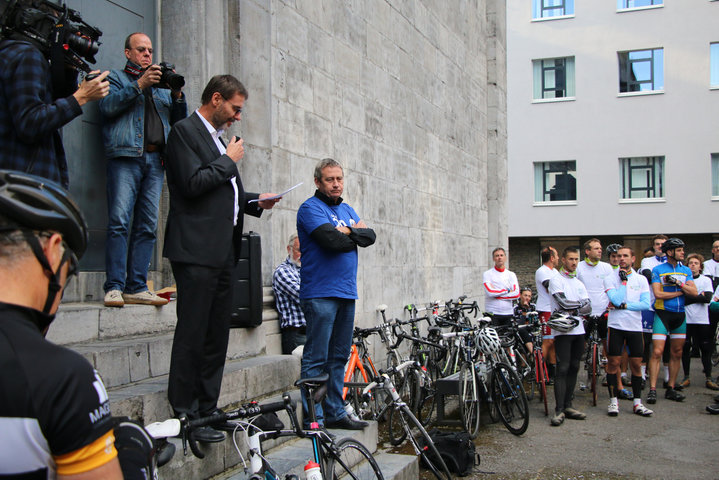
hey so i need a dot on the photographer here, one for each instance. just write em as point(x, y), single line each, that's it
point(36, 99)
point(138, 114)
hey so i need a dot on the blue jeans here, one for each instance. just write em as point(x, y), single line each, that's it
point(330, 322)
point(134, 185)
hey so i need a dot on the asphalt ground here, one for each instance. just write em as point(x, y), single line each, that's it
point(680, 441)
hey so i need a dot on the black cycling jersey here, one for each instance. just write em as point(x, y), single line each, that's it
point(52, 402)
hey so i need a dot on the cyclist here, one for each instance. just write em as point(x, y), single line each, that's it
point(501, 288)
point(54, 410)
point(569, 296)
point(550, 260)
point(648, 263)
point(629, 293)
point(612, 257)
point(592, 272)
point(671, 281)
point(711, 266)
point(521, 309)
point(699, 331)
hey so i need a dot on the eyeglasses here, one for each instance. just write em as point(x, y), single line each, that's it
point(234, 107)
point(70, 257)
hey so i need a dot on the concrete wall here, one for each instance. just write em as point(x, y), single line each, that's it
point(409, 96)
point(600, 126)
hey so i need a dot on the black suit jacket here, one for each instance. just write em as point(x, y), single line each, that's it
point(199, 224)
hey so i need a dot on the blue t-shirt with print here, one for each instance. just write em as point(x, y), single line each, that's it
point(325, 273)
point(660, 274)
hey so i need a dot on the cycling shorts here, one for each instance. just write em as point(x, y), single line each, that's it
point(666, 323)
point(616, 339)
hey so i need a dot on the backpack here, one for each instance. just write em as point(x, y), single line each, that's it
point(456, 449)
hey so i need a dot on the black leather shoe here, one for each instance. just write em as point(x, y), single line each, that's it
point(221, 425)
point(346, 423)
point(713, 409)
point(208, 435)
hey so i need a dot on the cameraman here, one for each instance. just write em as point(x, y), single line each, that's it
point(138, 114)
point(35, 103)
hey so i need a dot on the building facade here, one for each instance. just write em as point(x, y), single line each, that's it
point(611, 128)
point(410, 97)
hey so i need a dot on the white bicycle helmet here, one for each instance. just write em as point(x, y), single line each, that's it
point(488, 341)
point(562, 322)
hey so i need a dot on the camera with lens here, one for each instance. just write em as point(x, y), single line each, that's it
point(169, 78)
point(58, 31)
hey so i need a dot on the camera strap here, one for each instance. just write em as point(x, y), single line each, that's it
point(132, 69)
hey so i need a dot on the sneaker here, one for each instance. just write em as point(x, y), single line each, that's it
point(574, 414)
point(613, 409)
point(712, 385)
point(144, 298)
point(652, 397)
point(672, 394)
point(625, 394)
point(713, 409)
point(113, 298)
point(558, 419)
point(685, 382)
point(640, 409)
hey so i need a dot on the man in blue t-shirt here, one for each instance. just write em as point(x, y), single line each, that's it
point(671, 281)
point(330, 232)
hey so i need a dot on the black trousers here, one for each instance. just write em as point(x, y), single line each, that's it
point(569, 350)
point(199, 348)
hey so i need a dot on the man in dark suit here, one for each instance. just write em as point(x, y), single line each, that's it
point(202, 242)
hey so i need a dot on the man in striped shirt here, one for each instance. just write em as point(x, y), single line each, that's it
point(286, 285)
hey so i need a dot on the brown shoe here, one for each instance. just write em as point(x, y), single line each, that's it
point(686, 382)
point(144, 298)
point(711, 385)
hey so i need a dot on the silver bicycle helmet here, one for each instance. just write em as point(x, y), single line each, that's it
point(488, 341)
point(562, 322)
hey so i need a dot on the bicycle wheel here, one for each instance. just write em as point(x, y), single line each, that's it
point(510, 399)
point(427, 399)
point(594, 372)
point(469, 399)
point(349, 459)
point(541, 376)
point(423, 445)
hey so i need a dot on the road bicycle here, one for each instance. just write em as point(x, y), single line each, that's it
point(413, 429)
point(344, 458)
point(591, 357)
point(539, 375)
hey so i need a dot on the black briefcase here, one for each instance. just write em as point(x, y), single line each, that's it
point(247, 288)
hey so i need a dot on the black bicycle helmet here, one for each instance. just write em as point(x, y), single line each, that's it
point(613, 248)
point(671, 244)
point(29, 202)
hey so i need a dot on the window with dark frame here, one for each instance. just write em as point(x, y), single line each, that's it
point(554, 78)
point(628, 4)
point(552, 8)
point(555, 181)
point(641, 70)
point(642, 177)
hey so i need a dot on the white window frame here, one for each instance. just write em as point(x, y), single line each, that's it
point(714, 65)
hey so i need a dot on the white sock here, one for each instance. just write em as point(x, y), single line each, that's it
point(644, 372)
point(666, 373)
point(637, 401)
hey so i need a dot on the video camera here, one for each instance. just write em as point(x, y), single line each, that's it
point(51, 28)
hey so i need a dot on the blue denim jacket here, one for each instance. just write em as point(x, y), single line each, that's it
point(123, 112)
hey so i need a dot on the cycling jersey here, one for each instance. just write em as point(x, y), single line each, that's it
point(544, 299)
point(573, 289)
point(500, 289)
point(592, 276)
point(54, 410)
point(698, 313)
point(635, 294)
point(660, 273)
